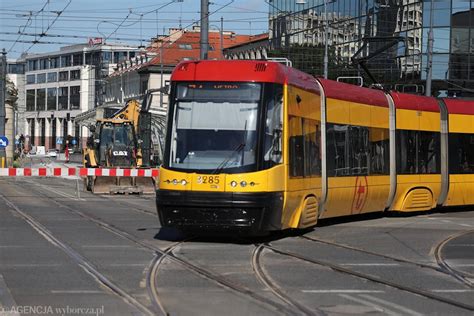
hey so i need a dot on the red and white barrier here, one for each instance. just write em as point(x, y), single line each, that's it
point(83, 172)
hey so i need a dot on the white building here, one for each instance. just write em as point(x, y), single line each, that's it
point(60, 85)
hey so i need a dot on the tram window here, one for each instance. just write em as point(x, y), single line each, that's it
point(312, 156)
point(359, 150)
point(274, 128)
point(406, 152)
point(296, 147)
point(379, 151)
point(461, 153)
point(429, 153)
point(418, 152)
point(338, 150)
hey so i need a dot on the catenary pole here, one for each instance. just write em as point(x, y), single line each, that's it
point(204, 29)
point(3, 74)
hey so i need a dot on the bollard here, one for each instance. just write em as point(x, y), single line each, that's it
point(3, 162)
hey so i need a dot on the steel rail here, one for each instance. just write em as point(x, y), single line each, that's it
point(457, 274)
point(78, 258)
point(273, 287)
point(218, 279)
point(372, 278)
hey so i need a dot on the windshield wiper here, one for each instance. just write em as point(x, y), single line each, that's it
point(226, 161)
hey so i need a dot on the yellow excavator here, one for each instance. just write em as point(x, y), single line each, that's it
point(121, 141)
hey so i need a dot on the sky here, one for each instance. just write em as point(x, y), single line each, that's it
point(38, 26)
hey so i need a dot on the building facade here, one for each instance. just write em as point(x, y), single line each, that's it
point(61, 85)
point(389, 36)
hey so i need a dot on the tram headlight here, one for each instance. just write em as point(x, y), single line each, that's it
point(243, 184)
point(175, 182)
point(233, 184)
point(184, 182)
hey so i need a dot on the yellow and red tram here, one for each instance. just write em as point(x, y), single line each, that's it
point(258, 146)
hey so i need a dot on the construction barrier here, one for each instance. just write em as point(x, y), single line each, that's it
point(82, 172)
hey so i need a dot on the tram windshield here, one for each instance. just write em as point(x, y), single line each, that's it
point(215, 127)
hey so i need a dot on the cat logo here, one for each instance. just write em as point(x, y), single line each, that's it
point(119, 153)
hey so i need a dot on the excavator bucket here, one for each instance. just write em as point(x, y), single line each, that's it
point(122, 185)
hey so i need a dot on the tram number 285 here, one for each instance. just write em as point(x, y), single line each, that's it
point(208, 179)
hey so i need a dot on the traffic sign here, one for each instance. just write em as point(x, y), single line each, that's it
point(3, 141)
point(73, 141)
point(59, 140)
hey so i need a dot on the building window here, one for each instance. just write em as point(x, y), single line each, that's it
point(52, 77)
point(43, 64)
point(65, 61)
point(63, 75)
point(16, 69)
point(30, 100)
point(119, 56)
point(54, 62)
point(40, 99)
point(75, 74)
point(77, 60)
point(52, 92)
point(41, 78)
point(63, 95)
point(30, 79)
point(75, 98)
point(32, 65)
point(107, 56)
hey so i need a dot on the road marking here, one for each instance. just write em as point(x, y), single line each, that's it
point(462, 265)
point(371, 264)
point(63, 194)
point(30, 265)
point(461, 245)
point(76, 292)
point(452, 291)
point(370, 304)
point(406, 311)
point(128, 264)
point(106, 246)
point(342, 291)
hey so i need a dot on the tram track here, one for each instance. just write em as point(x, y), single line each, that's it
point(270, 284)
point(461, 276)
point(81, 261)
point(368, 277)
point(161, 255)
point(442, 267)
point(290, 306)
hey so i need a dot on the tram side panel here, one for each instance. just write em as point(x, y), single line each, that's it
point(418, 125)
point(357, 146)
point(303, 156)
point(460, 152)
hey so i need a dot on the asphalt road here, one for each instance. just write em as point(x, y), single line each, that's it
point(61, 254)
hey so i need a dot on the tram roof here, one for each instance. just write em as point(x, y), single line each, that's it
point(459, 106)
point(243, 71)
point(414, 102)
point(352, 93)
